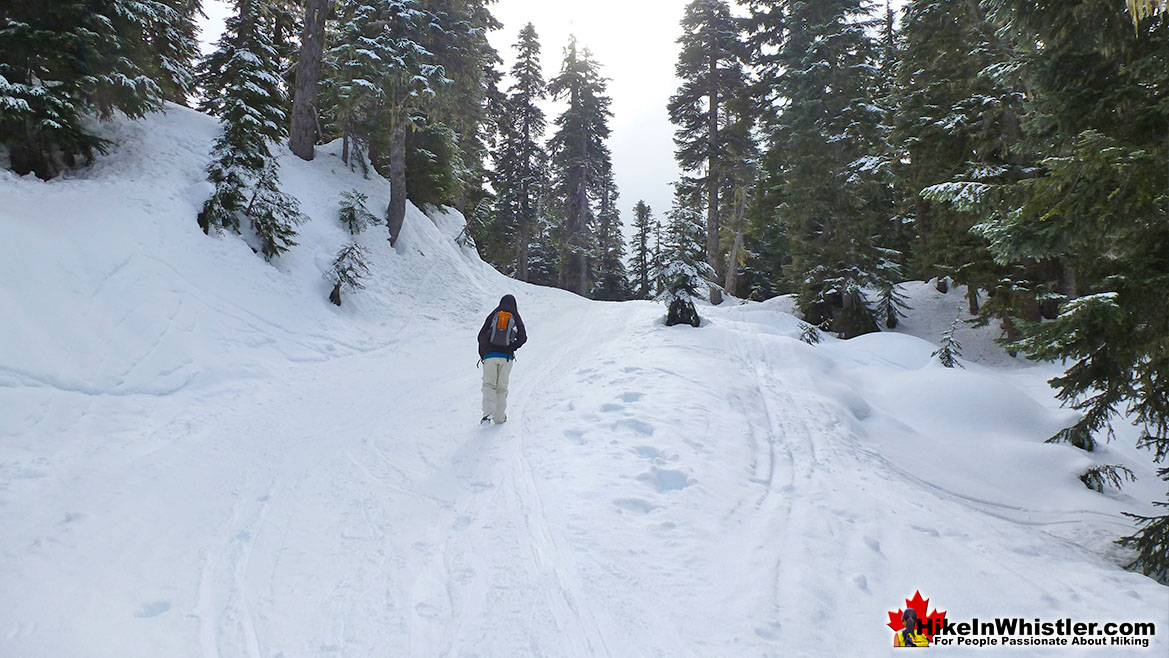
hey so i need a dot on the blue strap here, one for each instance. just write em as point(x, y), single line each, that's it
point(498, 355)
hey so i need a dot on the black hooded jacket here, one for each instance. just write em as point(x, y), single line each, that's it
point(507, 303)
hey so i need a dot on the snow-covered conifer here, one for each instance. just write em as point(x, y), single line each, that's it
point(643, 255)
point(383, 74)
point(710, 65)
point(610, 277)
point(60, 62)
point(950, 349)
point(354, 215)
point(684, 272)
point(244, 90)
point(579, 158)
point(828, 204)
point(520, 177)
point(347, 271)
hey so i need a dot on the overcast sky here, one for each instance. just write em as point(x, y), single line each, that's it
point(633, 40)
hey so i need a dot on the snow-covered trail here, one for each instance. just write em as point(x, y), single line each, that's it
point(635, 504)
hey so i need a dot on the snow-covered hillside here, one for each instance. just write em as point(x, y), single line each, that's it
point(201, 457)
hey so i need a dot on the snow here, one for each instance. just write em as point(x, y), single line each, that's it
point(201, 456)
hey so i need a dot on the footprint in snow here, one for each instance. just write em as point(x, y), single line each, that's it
point(639, 426)
point(648, 452)
point(630, 397)
point(610, 407)
point(635, 505)
point(665, 480)
point(152, 609)
point(576, 436)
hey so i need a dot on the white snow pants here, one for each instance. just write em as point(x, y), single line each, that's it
point(495, 374)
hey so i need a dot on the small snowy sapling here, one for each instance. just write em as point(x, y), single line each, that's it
point(354, 215)
point(950, 349)
point(347, 271)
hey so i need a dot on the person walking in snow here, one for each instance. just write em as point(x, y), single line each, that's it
point(502, 334)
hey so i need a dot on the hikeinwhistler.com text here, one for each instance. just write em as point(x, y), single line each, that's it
point(1018, 632)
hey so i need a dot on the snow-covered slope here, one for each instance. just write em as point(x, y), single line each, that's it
point(200, 456)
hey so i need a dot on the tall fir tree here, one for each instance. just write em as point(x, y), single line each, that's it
point(610, 275)
point(460, 109)
point(740, 175)
point(166, 37)
point(520, 176)
point(65, 60)
point(643, 250)
point(242, 87)
point(820, 142)
point(579, 158)
point(953, 121)
point(710, 66)
point(376, 104)
point(1099, 204)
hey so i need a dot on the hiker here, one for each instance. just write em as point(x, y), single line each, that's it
point(502, 334)
point(910, 635)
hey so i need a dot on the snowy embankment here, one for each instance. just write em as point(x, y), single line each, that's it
point(200, 456)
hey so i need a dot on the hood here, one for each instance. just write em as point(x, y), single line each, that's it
point(507, 303)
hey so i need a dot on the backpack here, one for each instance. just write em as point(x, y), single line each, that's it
point(503, 329)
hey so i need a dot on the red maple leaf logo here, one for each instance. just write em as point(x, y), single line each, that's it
point(930, 623)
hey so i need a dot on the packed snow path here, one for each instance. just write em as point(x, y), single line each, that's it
point(639, 502)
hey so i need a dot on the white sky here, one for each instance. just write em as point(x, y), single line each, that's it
point(634, 42)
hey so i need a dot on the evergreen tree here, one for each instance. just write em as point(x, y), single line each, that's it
point(1097, 116)
point(244, 90)
point(824, 191)
point(520, 164)
point(62, 61)
point(347, 271)
point(738, 190)
point(579, 158)
point(163, 37)
point(543, 257)
point(710, 66)
point(950, 349)
point(610, 275)
point(354, 216)
point(952, 121)
point(683, 271)
point(384, 75)
point(643, 255)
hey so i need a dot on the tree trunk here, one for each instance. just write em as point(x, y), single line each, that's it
point(733, 264)
point(302, 134)
point(396, 214)
point(712, 227)
point(972, 297)
point(522, 249)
